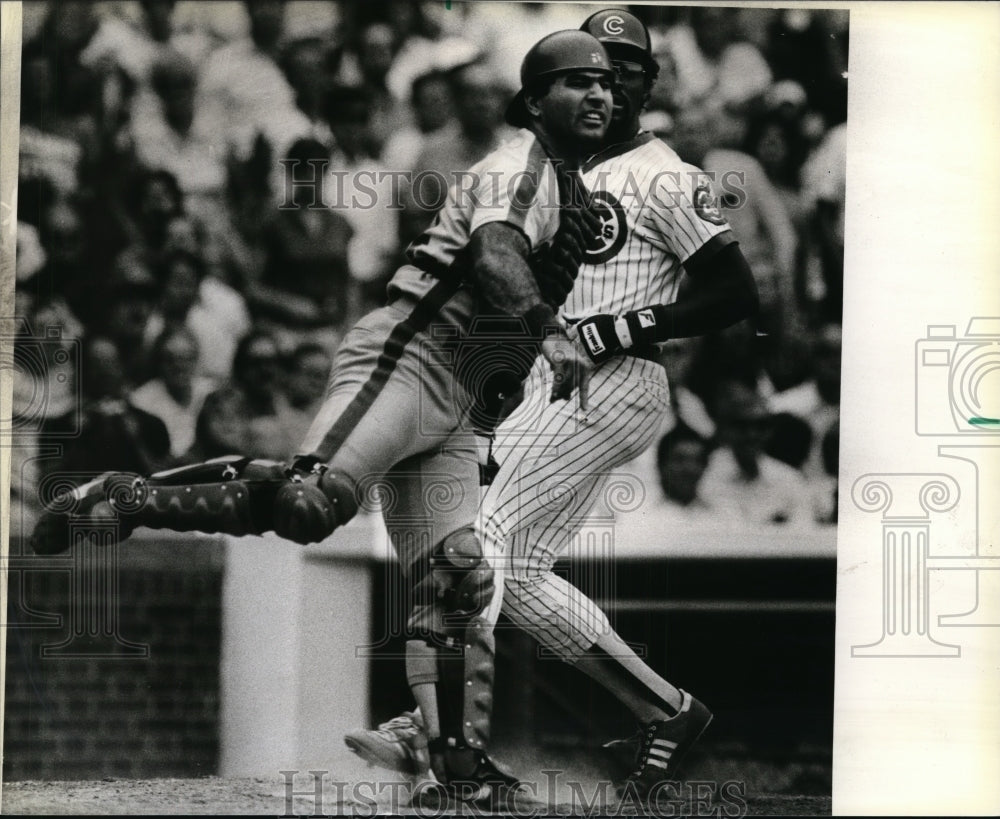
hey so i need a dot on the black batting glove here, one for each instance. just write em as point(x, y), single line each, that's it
point(599, 337)
point(604, 335)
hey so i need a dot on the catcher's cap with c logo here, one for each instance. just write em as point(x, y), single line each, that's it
point(559, 53)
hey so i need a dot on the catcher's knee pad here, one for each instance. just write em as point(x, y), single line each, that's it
point(455, 584)
point(308, 508)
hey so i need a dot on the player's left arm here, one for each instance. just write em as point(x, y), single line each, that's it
point(685, 219)
point(722, 292)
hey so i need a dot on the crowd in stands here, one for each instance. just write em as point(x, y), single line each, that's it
point(201, 299)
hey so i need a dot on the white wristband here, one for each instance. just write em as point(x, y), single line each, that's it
point(622, 331)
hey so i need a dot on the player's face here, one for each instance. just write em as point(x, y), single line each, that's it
point(629, 90)
point(577, 108)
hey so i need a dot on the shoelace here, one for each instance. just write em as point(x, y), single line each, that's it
point(635, 739)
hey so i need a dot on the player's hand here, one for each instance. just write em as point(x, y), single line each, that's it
point(570, 369)
point(601, 337)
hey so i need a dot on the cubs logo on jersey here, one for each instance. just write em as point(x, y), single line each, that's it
point(614, 228)
point(656, 211)
point(706, 205)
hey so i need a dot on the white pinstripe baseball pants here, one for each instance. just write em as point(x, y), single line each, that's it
point(554, 465)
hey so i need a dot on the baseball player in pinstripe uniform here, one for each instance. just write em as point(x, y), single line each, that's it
point(659, 221)
point(406, 388)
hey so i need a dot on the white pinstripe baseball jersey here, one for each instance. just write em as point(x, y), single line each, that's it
point(657, 212)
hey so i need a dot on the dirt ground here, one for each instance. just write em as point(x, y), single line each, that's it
point(213, 795)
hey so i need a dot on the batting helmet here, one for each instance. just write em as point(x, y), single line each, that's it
point(559, 53)
point(623, 34)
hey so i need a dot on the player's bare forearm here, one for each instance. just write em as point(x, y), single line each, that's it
point(500, 271)
point(499, 268)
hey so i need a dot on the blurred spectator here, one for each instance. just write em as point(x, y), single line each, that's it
point(227, 260)
point(742, 483)
point(363, 191)
point(29, 258)
point(714, 62)
point(663, 94)
point(114, 434)
point(175, 394)
point(306, 287)
point(66, 275)
point(433, 108)
point(49, 147)
point(478, 129)
point(155, 200)
point(387, 113)
point(503, 31)
point(309, 66)
point(243, 91)
point(753, 208)
point(789, 439)
point(810, 47)
point(221, 427)
point(824, 190)
point(212, 311)
point(61, 99)
point(256, 384)
point(131, 293)
point(776, 142)
point(681, 459)
point(134, 45)
point(305, 388)
point(817, 400)
point(171, 134)
point(422, 44)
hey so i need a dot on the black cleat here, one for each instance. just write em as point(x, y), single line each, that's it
point(665, 743)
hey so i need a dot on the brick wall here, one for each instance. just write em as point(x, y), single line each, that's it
point(146, 700)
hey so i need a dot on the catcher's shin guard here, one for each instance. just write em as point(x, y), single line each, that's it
point(453, 650)
point(230, 495)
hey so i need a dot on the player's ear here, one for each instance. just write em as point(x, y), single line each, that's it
point(531, 104)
